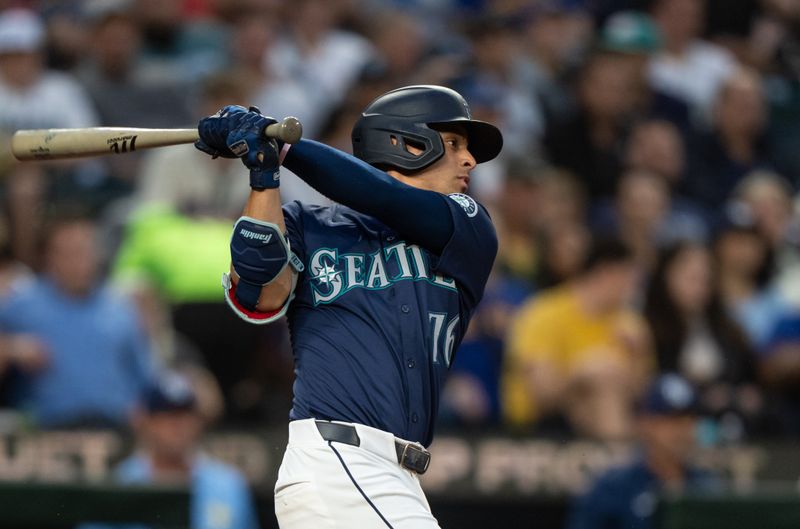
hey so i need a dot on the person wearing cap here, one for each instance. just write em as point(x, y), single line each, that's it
point(33, 97)
point(626, 497)
point(168, 428)
point(633, 39)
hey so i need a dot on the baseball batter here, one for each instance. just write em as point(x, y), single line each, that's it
point(378, 291)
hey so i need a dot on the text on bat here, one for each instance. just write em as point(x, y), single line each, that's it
point(120, 144)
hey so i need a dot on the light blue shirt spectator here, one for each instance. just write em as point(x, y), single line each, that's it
point(759, 314)
point(220, 497)
point(98, 362)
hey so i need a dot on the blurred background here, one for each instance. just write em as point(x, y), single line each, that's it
point(635, 361)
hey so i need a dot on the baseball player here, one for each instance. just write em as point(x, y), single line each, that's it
point(378, 291)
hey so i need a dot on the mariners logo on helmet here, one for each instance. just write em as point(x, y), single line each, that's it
point(410, 115)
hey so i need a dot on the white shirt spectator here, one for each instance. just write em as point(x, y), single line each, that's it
point(326, 73)
point(694, 77)
point(54, 101)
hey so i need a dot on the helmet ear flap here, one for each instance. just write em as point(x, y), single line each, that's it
point(381, 140)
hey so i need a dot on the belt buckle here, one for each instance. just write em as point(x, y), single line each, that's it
point(415, 458)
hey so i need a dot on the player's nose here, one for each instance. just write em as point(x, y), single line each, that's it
point(468, 160)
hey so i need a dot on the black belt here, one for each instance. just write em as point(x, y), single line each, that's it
point(409, 455)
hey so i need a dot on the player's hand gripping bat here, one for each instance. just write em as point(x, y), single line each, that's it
point(57, 144)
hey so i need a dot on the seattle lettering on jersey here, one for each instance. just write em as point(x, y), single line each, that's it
point(333, 274)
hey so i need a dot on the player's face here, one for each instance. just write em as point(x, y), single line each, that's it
point(450, 173)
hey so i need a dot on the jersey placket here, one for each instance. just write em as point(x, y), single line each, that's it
point(407, 322)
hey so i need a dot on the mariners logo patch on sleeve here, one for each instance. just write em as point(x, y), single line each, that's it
point(466, 202)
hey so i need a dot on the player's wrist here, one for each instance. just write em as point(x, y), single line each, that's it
point(261, 179)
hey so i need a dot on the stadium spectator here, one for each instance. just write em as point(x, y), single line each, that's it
point(184, 182)
point(176, 49)
point(555, 40)
point(33, 97)
point(656, 146)
point(626, 497)
point(577, 355)
point(695, 337)
point(325, 60)
point(80, 356)
point(112, 72)
point(254, 36)
point(67, 35)
point(631, 38)
point(769, 198)
point(563, 200)
point(516, 219)
point(558, 218)
point(168, 431)
point(745, 268)
point(644, 215)
point(121, 91)
point(30, 95)
point(563, 248)
point(493, 69)
point(688, 68)
point(254, 80)
point(590, 143)
point(721, 158)
point(406, 53)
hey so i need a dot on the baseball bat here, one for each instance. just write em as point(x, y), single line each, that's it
point(57, 144)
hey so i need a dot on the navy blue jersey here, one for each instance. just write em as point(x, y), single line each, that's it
point(626, 497)
point(376, 320)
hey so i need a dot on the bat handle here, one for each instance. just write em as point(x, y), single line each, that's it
point(289, 130)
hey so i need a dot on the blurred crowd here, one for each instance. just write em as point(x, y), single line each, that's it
point(645, 202)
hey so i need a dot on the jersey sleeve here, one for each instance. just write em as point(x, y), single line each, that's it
point(469, 254)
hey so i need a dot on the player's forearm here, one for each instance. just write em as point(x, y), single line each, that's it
point(265, 205)
point(356, 184)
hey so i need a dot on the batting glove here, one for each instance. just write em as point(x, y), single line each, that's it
point(214, 131)
point(258, 153)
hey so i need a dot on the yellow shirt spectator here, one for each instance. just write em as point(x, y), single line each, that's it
point(578, 350)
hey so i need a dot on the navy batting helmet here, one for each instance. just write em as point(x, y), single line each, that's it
point(408, 114)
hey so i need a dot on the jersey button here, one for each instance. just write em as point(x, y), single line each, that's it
point(390, 238)
point(414, 417)
point(405, 308)
point(411, 363)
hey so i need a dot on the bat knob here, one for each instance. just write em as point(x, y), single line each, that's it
point(290, 130)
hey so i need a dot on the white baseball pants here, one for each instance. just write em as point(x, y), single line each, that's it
point(331, 485)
